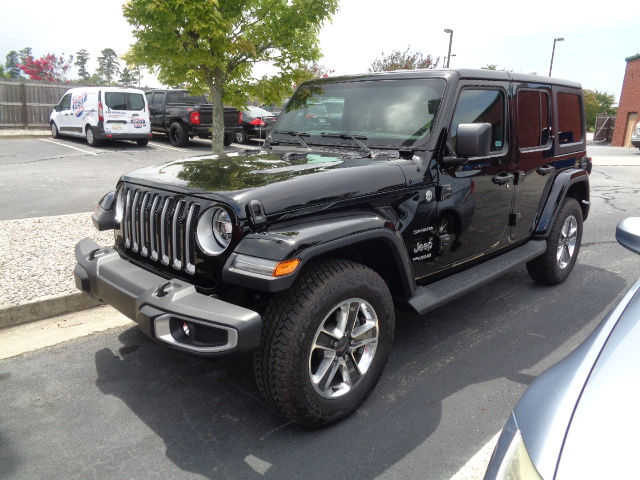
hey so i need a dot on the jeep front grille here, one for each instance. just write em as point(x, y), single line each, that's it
point(161, 227)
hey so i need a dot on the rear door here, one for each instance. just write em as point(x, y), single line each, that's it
point(534, 165)
point(125, 113)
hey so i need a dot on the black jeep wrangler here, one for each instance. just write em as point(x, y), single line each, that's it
point(373, 192)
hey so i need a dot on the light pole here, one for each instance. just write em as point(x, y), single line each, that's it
point(553, 52)
point(450, 32)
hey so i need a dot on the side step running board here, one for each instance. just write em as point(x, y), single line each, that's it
point(436, 294)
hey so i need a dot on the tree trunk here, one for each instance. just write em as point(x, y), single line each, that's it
point(217, 121)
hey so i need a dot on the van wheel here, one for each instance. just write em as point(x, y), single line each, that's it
point(91, 137)
point(178, 135)
point(563, 245)
point(143, 142)
point(54, 130)
point(325, 342)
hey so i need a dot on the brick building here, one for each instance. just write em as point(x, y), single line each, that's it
point(629, 107)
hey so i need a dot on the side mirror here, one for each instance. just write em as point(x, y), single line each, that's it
point(628, 234)
point(472, 140)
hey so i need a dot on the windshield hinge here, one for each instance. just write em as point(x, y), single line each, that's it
point(257, 217)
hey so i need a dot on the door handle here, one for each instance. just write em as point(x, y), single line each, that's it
point(503, 178)
point(545, 170)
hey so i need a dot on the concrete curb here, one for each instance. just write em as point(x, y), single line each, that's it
point(48, 307)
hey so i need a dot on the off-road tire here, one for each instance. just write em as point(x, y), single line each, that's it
point(178, 134)
point(291, 325)
point(555, 265)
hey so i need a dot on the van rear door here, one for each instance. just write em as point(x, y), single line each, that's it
point(126, 113)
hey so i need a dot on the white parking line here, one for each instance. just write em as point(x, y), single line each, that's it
point(168, 148)
point(477, 465)
point(69, 146)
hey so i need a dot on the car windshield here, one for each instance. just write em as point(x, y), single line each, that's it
point(184, 97)
point(394, 113)
point(259, 112)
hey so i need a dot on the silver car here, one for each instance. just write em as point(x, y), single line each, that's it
point(635, 136)
point(580, 419)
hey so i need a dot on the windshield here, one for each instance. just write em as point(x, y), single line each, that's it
point(394, 113)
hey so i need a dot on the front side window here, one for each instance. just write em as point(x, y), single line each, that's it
point(480, 106)
point(395, 113)
point(533, 118)
point(65, 103)
point(124, 101)
point(181, 96)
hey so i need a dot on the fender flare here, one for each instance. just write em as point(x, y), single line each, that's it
point(315, 237)
point(563, 182)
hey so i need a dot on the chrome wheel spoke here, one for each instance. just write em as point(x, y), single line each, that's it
point(327, 373)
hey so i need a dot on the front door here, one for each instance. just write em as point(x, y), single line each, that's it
point(475, 199)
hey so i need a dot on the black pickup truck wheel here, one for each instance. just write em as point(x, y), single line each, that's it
point(555, 265)
point(325, 342)
point(178, 134)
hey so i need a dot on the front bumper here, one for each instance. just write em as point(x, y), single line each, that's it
point(168, 311)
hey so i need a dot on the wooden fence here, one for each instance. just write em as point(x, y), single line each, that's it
point(28, 103)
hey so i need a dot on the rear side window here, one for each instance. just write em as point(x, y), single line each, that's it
point(481, 106)
point(124, 101)
point(569, 118)
point(533, 118)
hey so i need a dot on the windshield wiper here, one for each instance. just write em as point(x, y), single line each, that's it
point(355, 138)
point(298, 135)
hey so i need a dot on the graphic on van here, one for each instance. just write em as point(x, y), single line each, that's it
point(116, 113)
point(138, 122)
point(77, 103)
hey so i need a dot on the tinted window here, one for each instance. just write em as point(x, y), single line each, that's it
point(533, 118)
point(184, 97)
point(158, 98)
point(480, 106)
point(124, 101)
point(569, 118)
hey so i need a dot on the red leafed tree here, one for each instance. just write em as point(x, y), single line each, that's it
point(49, 67)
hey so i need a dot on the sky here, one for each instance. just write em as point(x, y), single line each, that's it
point(511, 34)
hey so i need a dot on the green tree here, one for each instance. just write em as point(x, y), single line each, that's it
point(108, 65)
point(24, 54)
point(491, 66)
point(598, 103)
point(12, 64)
point(406, 60)
point(82, 58)
point(213, 45)
point(127, 78)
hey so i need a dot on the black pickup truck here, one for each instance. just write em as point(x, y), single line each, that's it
point(372, 193)
point(182, 116)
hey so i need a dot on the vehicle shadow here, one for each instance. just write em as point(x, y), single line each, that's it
point(213, 422)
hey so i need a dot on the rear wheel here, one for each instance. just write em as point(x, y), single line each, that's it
point(325, 342)
point(143, 142)
point(228, 140)
point(178, 134)
point(563, 245)
point(91, 137)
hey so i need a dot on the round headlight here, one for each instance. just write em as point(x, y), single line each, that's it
point(120, 198)
point(214, 231)
point(222, 228)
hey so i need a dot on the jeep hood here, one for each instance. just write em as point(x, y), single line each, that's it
point(282, 182)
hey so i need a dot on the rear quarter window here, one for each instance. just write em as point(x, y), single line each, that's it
point(569, 118)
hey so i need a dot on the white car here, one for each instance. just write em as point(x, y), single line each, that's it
point(102, 113)
point(635, 136)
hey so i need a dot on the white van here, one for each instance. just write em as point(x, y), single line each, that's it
point(102, 113)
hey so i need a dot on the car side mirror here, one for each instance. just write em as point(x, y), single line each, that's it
point(628, 234)
point(472, 140)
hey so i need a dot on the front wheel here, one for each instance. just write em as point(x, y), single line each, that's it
point(563, 245)
point(54, 130)
point(325, 342)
